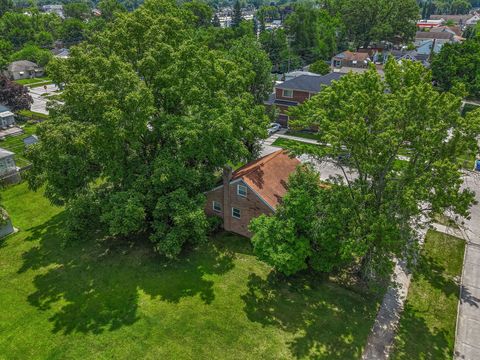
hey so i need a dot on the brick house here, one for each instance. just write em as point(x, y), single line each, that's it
point(254, 189)
point(350, 61)
point(296, 91)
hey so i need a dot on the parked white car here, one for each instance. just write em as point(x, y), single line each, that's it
point(273, 128)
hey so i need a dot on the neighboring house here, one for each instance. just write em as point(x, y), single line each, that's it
point(62, 53)
point(429, 24)
point(455, 30)
point(255, 189)
point(473, 20)
point(24, 69)
point(412, 55)
point(350, 61)
point(7, 119)
point(461, 20)
point(296, 91)
point(8, 169)
point(446, 36)
point(293, 74)
point(30, 140)
point(54, 9)
point(428, 42)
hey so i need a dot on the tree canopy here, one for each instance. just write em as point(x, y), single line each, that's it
point(458, 63)
point(14, 95)
point(145, 129)
point(376, 20)
point(368, 215)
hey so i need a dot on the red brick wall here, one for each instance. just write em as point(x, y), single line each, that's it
point(298, 96)
point(250, 207)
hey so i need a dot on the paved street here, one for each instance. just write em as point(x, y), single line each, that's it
point(467, 340)
point(40, 102)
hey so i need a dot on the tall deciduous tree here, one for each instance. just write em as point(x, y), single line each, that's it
point(369, 123)
point(312, 31)
point(376, 20)
point(144, 129)
point(458, 63)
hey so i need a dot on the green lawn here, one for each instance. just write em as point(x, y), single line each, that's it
point(427, 325)
point(292, 144)
point(111, 299)
point(34, 81)
point(304, 134)
point(15, 144)
point(32, 115)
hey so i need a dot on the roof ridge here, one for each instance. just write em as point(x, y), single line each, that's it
point(259, 162)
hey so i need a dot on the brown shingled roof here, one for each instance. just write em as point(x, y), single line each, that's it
point(433, 35)
point(268, 175)
point(353, 56)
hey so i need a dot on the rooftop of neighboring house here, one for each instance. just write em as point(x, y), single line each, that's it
point(5, 153)
point(451, 29)
point(409, 54)
point(294, 74)
point(310, 83)
point(429, 23)
point(3, 108)
point(268, 176)
point(61, 53)
point(442, 35)
point(52, 7)
point(22, 65)
point(427, 46)
point(352, 56)
point(456, 18)
point(7, 113)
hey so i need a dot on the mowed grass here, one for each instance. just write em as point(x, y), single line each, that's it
point(16, 145)
point(115, 299)
point(427, 325)
point(290, 144)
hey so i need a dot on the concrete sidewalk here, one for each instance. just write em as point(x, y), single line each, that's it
point(467, 339)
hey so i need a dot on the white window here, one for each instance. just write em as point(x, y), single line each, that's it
point(216, 206)
point(242, 190)
point(235, 213)
point(287, 93)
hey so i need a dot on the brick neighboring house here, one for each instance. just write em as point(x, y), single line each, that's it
point(351, 61)
point(296, 91)
point(254, 189)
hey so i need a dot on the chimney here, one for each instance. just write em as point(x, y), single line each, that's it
point(227, 218)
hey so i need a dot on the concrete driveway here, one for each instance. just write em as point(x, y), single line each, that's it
point(40, 102)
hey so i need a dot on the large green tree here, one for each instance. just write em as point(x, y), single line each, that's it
point(144, 129)
point(458, 63)
point(303, 233)
point(369, 124)
point(377, 20)
point(313, 32)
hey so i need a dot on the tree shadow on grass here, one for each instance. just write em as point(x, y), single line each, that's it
point(415, 340)
point(326, 320)
point(94, 285)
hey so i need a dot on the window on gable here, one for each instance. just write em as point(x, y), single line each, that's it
point(242, 190)
point(236, 213)
point(287, 93)
point(216, 206)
